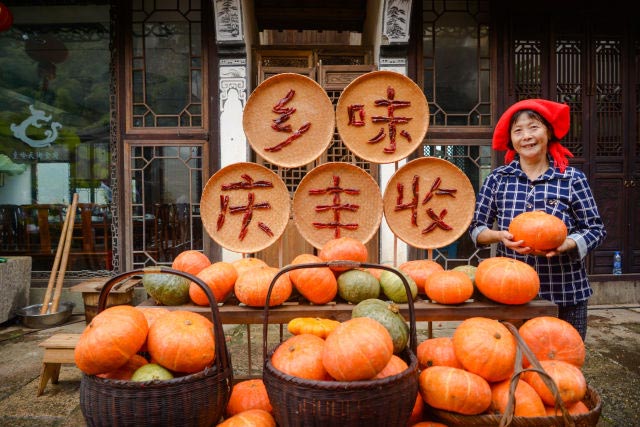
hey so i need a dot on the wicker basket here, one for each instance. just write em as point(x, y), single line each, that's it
point(383, 402)
point(197, 399)
point(591, 399)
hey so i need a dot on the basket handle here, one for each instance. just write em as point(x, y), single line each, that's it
point(522, 349)
point(222, 354)
point(346, 265)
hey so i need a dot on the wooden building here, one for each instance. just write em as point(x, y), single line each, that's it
point(146, 97)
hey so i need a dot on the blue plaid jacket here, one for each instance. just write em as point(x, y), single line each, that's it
point(507, 192)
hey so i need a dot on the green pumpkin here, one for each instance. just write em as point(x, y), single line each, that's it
point(150, 372)
point(388, 314)
point(393, 287)
point(358, 285)
point(167, 289)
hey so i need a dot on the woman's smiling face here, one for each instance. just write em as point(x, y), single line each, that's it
point(530, 137)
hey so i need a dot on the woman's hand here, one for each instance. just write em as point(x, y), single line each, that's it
point(567, 245)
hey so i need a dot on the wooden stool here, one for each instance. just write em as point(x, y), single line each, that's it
point(58, 349)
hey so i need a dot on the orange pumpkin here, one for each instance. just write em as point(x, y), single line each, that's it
point(455, 390)
point(357, 349)
point(250, 418)
point(190, 261)
point(243, 264)
point(312, 325)
point(416, 411)
point(437, 352)
point(485, 347)
point(125, 372)
point(220, 277)
point(248, 394)
point(343, 248)
point(527, 402)
point(575, 409)
point(449, 287)
point(507, 281)
point(182, 341)
point(151, 314)
point(395, 366)
point(569, 379)
point(253, 285)
point(111, 339)
point(301, 356)
point(540, 231)
point(317, 284)
point(419, 270)
point(550, 338)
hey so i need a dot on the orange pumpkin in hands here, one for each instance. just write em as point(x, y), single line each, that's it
point(542, 232)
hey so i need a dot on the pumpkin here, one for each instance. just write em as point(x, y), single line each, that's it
point(243, 264)
point(220, 277)
point(449, 287)
point(317, 284)
point(301, 356)
point(527, 402)
point(569, 379)
point(253, 285)
point(419, 270)
point(190, 261)
point(455, 390)
point(111, 339)
point(376, 272)
point(125, 372)
point(507, 281)
point(437, 352)
point(151, 372)
point(151, 314)
point(550, 338)
point(395, 366)
point(542, 232)
point(250, 418)
point(575, 409)
point(469, 270)
point(248, 394)
point(389, 316)
point(182, 341)
point(357, 285)
point(357, 349)
point(416, 411)
point(312, 325)
point(485, 347)
point(394, 289)
point(166, 289)
point(343, 248)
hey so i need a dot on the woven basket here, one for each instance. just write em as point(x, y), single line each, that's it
point(198, 399)
point(383, 402)
point(591, 399)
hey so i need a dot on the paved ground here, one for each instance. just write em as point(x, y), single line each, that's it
point(612, 368)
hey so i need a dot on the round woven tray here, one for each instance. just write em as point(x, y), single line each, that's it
point(274, 217)
point(361, 95)
point(458, 208)
point(364, 212)
point(197, 399)
point(312, 105)
point(373, 403)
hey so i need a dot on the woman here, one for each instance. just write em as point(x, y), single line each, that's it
point(536, 176)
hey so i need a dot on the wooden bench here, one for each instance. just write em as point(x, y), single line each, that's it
point(58, 349)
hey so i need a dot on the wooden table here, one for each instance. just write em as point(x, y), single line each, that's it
point(424, 310)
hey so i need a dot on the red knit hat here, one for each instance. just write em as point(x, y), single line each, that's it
point(555, 113)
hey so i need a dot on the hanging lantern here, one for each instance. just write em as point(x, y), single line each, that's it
point(6, 18)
